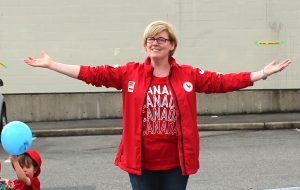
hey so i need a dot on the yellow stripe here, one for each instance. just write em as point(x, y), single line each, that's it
point(1, 63)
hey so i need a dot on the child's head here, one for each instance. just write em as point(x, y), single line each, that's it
point(31, 158)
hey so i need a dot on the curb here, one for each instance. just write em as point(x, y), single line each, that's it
point(249, 126)
point(77, 132)
point(283, 125)
point(201, 127)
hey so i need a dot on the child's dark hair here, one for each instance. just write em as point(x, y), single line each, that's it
point(27, 161)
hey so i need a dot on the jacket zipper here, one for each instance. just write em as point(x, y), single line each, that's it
point(180, 126)
point(142, 116)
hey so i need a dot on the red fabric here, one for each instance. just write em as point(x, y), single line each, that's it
point(35, 184)
point(160, 139)
point(134, 80)
point(37, 158)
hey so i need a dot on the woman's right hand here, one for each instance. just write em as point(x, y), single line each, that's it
point(44, 61)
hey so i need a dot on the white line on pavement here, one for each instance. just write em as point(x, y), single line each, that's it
point(287, 188)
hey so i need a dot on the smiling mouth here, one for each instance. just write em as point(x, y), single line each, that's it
point(155, 50)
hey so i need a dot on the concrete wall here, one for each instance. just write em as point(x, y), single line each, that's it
point(213, 34)
point(73, 106)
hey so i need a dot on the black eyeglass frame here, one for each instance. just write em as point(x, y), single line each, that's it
point(159, 40)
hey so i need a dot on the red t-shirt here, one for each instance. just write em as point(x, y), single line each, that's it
point(160, 139)
point(35, 184)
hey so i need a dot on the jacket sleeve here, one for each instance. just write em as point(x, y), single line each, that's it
point(215, 82)
point(103, 75)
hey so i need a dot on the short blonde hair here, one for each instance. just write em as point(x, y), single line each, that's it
point(157, 27)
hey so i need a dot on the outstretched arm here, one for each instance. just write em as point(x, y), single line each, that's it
point(46, 62)
point(269, 70)
point(19, 171)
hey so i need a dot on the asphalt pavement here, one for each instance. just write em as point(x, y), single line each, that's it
point(232, 159)
point(229, 160)
point(205, 123)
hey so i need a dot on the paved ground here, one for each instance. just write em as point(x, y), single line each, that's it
point(230, 160)
point(205, 123)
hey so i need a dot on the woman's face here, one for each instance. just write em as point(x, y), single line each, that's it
point(159, 46)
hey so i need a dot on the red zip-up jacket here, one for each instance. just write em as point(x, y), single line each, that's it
point(134, 80)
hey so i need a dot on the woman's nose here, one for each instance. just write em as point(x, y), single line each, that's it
point(155, 42)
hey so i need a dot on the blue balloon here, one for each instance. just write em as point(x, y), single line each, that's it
point(16, 138)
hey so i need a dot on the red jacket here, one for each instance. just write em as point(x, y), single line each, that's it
point(134, 79)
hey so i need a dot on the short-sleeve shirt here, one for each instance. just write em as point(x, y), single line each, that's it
point(160, 137)
point(35, 184)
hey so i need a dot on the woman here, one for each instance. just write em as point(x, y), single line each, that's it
point(160, 142)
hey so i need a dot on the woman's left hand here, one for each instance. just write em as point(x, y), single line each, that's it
point(273, 67)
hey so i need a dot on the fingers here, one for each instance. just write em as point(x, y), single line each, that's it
point(273, 67)
point(29, 60)
point(284, 64)
point(287, 61)
point(273, 62)
point(44, 54)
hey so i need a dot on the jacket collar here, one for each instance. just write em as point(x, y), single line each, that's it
point(149, 67)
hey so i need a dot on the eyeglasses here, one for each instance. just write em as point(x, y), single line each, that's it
point(159, 40)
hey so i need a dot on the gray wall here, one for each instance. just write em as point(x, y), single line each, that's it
point(214, 35)
point(74, 106)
